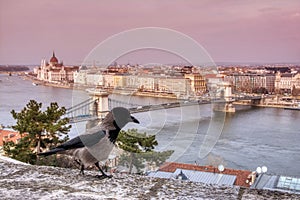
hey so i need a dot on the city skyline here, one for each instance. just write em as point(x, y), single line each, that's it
point(230, 31)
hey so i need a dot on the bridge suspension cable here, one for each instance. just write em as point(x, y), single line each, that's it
point(88, 109)
point(81, 111)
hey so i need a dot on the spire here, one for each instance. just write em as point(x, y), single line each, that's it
point(54, 60)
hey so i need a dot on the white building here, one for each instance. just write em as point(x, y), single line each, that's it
point(285, 82)
point(55, 72)
point(86, 77)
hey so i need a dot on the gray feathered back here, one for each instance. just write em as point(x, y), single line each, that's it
point(107, 123)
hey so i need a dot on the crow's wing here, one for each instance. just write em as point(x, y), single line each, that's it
point(86, 140)
point(89, 140)
point(71, 144)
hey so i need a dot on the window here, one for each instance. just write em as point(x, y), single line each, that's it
point(289, 183)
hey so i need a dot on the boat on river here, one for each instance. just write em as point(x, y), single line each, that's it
point(292, 108)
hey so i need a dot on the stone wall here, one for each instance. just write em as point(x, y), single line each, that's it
point(18, 181)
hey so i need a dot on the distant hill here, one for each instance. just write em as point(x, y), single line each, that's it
point(13, 68)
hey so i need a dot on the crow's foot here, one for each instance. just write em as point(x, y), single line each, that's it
point(103, 176)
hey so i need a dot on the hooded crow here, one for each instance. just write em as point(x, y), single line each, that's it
point(96, 143)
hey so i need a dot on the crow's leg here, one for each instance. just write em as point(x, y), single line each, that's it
point(81, 167)
point(103, 174)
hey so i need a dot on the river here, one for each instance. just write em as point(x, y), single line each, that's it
point(246, 139)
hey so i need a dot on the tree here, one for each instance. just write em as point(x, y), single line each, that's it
point(260, 90)
point(39, 129)
point(143, 159)
point(20, 151)
point(139, 149)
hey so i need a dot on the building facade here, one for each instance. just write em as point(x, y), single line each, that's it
point(181, 87)
point(186, 85)
point(252, 83)
point(198, 83)
point(286, 82)
point(55, 72)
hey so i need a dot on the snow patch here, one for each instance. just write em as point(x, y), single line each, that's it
point(7, 159)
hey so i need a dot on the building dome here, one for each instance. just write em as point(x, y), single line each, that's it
point(53, 60)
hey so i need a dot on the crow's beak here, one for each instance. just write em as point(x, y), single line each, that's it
point(133, 119)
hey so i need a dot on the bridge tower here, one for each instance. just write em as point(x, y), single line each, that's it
point(225, 92)
point(100, 106)
point(228, 91)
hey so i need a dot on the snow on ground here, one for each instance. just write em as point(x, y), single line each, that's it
point(7, 159)
point(18, 181)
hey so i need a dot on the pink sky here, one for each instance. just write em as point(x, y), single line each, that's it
point(230, 31)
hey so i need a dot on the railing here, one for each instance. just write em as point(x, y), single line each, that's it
point(115, 103)
point(81, 111)
point(87, 110)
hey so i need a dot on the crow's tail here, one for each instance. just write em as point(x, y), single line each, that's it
point(52, 151)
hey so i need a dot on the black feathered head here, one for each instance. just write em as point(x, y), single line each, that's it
point(122, 116)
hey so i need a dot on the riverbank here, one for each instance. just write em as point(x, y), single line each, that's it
point(128, 92)
point(267, 105)
point(14, 69)
point(125, 92)
point(37, 82)
point(156, 95)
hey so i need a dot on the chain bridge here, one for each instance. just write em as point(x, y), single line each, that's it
point(98, 105)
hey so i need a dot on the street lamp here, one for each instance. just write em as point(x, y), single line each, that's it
point(221, 168)
point(261, 170)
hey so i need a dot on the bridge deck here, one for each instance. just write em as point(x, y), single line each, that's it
point(82, 111)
